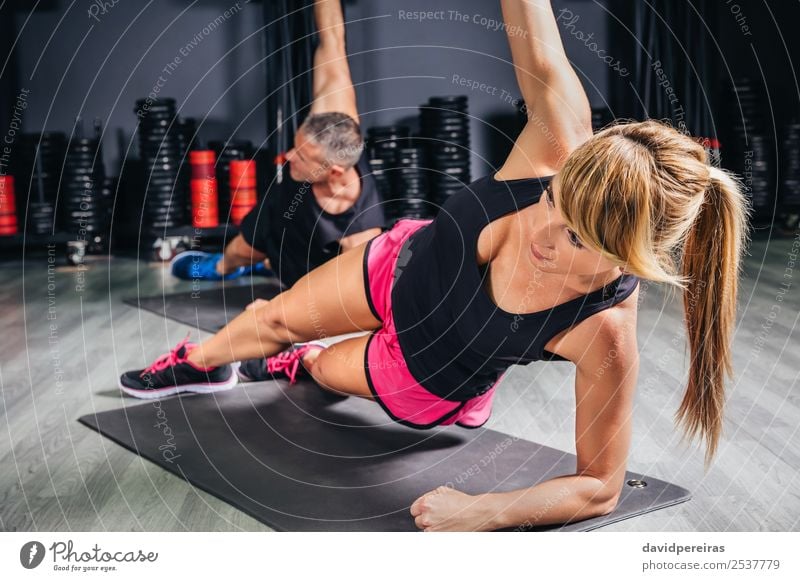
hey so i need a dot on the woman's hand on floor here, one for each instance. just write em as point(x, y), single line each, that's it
point(447, 509)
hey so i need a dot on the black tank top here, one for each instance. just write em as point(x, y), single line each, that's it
point(454, 339)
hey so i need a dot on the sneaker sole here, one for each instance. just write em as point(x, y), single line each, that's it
point(192, 388)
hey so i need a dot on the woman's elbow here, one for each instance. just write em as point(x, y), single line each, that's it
point(605, 497)
point(607, 507)
point(607, 501)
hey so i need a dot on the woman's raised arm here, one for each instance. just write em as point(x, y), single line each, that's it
point(558, 111)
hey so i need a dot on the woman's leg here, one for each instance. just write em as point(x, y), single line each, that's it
point(340, 367)
point(330, 300)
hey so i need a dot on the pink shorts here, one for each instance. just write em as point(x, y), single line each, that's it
point(389, 379)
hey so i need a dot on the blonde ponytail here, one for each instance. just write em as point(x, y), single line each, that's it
point(711, 264)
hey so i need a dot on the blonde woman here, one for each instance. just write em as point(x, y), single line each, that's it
point(540, 260)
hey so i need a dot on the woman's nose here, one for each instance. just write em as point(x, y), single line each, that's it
point(542, 235)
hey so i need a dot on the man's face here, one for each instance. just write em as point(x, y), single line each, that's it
point(306, 160)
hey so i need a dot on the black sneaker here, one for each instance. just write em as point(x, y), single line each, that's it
point(286, 364)
point(172, 373)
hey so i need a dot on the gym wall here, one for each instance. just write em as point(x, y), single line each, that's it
point(96, 65)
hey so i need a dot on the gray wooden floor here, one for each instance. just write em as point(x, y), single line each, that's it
point(66, 337)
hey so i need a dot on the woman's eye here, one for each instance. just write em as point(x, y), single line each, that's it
point(573, 238)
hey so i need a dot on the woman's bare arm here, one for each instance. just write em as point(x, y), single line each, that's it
point(605, 385)
point(558, 111)
point(332, 84)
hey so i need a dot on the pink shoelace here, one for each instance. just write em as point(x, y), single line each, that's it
point(289, 361)
point(171, 358)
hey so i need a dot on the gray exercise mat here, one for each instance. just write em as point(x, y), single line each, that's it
point(300, 459)
point(207, 309)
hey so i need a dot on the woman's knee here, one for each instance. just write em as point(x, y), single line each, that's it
point(327, 381)
point(316, 369)
point(272, 322)
point(279, 319)
point(340, 367)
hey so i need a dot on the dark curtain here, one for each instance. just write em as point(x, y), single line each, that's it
point(669, 49)
point(9, 77)
point(289, 41)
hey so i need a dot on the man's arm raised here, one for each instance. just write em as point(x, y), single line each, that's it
point(333, 87)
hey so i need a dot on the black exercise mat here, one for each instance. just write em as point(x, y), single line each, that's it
point(208, 309)
point(300, 459)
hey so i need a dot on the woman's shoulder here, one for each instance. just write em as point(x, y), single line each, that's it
point(601, 335)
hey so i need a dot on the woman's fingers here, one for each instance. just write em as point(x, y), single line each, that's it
point(416, 507)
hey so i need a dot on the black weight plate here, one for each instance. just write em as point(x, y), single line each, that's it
point(91, 142)
point(385, 144)
point(406, 158)
point(448, 98)
point(234, 152)
point(158, 120)
point(153, 132)
point(412, 183)
point(149, 158)
point(154, 145)
point(144, 109)
point(388, 129)
point(160, 181)
point(83, 160)
point(434, 117)
point(442, 164)
point(450, 128)
point(160, 215)
point(164, 199)
point(410, 172)
point(151, 142)
point(442, 148)
point(154, 113)
point(162, 169)
point(164, 159)
point(81, 152)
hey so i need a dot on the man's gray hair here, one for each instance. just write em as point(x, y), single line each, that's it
point(339, 136)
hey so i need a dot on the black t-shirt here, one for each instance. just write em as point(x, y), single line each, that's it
point(297, 235)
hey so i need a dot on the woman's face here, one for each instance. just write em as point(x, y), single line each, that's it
point(553, 247)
